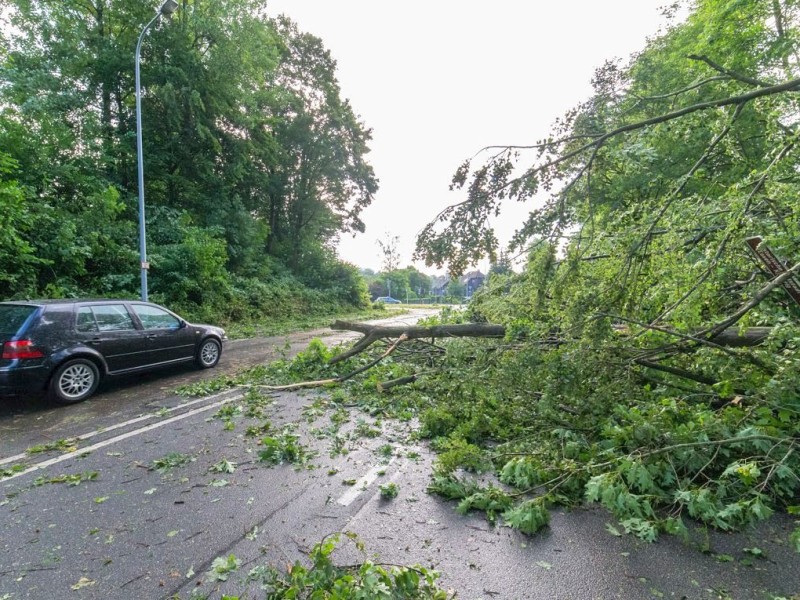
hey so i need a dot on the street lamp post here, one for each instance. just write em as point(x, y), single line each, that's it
point(169, 7)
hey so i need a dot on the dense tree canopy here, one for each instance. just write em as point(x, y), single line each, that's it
point(254, 164)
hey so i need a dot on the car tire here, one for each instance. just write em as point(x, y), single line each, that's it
point(74, 381)
point(208, 353)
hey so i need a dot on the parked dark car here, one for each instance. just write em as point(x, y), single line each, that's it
point(65, 347)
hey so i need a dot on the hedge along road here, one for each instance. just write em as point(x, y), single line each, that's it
point(142, 508)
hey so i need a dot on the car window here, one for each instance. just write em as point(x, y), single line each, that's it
point(86, 321)
point(12, 317)
point(112, 317)
point(155, 318)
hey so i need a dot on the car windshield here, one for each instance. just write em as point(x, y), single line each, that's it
point(12, 316)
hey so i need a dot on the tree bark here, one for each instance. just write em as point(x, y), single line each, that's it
point(373, 333)
point(386, 385)
point(732, 338)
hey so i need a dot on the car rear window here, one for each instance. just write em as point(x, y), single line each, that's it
point(13, 316)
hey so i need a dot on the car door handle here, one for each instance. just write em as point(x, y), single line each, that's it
point(95, 341)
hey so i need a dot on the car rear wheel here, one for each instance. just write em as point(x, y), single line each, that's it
point(74, 381)
point(208, 354)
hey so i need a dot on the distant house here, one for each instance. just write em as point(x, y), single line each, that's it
point(439, 285)
point(472, 281)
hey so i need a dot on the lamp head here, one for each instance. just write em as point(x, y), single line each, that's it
point(169, 7)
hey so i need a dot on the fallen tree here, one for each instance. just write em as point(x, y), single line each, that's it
point(652, 359)
point(731, 337)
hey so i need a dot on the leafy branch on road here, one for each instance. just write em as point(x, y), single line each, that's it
point(72, 480)
point(368, 580)
point(171, 461)
point(11, 470)
point(284, 447)
point(65, 445)
point(519, 411)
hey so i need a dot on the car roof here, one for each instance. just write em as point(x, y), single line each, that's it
point(54, 301)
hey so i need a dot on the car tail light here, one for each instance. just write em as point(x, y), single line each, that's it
point(20, 349)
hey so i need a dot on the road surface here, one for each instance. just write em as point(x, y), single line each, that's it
point(153, 487)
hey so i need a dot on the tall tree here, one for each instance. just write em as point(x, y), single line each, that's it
point(246, 141)
point(419, 283)
point(322, 181)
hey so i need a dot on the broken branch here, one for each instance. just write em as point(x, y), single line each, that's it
point(340, 379)
point(386, 385)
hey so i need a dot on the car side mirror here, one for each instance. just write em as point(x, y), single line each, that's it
point(182, 324)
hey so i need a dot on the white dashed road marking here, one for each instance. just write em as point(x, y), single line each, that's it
point(361, 484)
point(46, 463)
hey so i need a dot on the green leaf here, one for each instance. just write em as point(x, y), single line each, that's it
point(224, 466)
point(82, 583)
point(794, 538)
point(641, 528)
point(222, 567)
point(529, 517)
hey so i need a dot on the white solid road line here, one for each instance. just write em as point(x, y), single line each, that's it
point(119, 438)
point(362, 483)
point(91, 434)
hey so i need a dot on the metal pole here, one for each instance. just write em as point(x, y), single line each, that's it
point(140, 158)
point(167, 8)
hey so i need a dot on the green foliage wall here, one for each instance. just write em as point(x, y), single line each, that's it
point(253, 162)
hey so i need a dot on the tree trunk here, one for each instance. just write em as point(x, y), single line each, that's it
point(372, 333)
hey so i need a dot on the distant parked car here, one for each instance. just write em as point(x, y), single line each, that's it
point(388, 300)
point(66, 347)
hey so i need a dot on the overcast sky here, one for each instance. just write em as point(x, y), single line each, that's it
point(438, 80)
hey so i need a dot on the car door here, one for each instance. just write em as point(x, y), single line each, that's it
point(110, 329)
point(168, 337)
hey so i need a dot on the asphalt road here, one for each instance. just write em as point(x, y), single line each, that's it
point(150, 513)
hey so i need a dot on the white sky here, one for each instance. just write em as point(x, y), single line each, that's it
point(438, 80)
